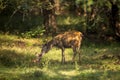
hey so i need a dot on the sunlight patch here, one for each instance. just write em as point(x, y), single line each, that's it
point(69, 73)
point(87, 71)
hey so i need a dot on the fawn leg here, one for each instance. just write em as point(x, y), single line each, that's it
point(74, 54)
point(63, 55)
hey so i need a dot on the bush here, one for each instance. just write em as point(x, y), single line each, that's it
point(34, 33)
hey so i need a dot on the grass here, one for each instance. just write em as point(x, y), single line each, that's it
point(98, 61)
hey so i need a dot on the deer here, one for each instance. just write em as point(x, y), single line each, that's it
point(69, 39)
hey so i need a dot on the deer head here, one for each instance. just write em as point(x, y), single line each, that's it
point(45, 48)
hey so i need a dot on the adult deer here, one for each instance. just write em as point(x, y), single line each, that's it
point(70, 39)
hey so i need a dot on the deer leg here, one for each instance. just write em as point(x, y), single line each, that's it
point(79, 56)
point(63, 56)
point(74, 54)
point(78, 50)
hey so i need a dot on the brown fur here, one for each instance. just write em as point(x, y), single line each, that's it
point(70, 39)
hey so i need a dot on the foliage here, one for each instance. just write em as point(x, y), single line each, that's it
point(34, 33)
point(2, 5)
point(94, 16)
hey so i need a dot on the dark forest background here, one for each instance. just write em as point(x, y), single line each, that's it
point(34, 18)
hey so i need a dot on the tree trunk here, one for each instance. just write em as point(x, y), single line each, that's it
point(114, 20)
point(57, 7)
point(50, 18)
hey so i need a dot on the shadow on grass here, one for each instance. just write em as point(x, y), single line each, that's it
point(11, 58)
point(82, 75)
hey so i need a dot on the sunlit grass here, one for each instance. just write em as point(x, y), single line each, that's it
point(98, 61)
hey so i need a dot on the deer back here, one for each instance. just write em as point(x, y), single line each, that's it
point(68, 39)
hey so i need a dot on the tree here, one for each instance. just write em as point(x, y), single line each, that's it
point(49, 16)
point(114, 18)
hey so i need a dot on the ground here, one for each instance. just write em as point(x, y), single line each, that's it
point(99, 61)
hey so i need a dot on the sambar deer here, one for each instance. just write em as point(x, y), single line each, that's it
point(70, 39)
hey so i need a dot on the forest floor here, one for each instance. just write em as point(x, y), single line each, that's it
point(99, 61)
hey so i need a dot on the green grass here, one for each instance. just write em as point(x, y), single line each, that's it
point(99, 61)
